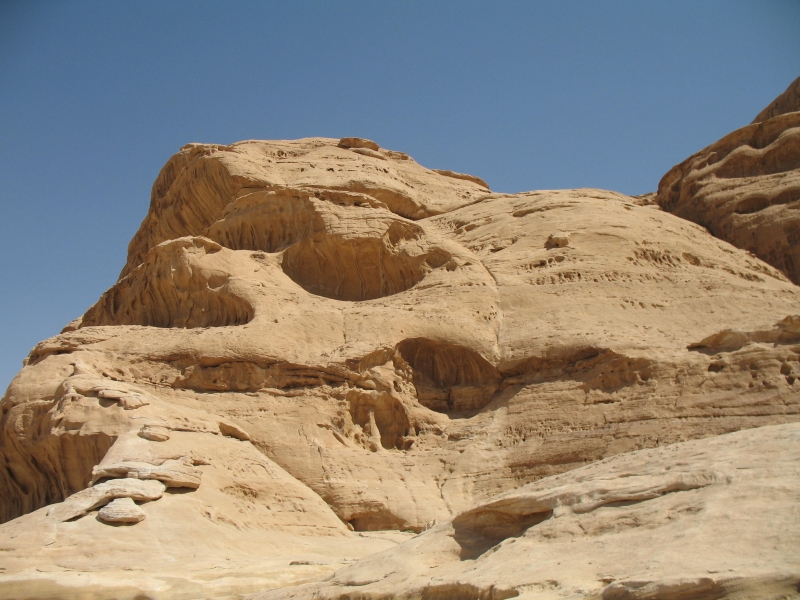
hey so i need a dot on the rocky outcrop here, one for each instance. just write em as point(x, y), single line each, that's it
point(387, 402)
point(318, 348)
point(720, 510)
point(196, 186)
point(182, 283)
point(788, 101)
point(745, 189)
point(101, 494)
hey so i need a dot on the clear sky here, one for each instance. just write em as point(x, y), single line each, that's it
point(95, 97)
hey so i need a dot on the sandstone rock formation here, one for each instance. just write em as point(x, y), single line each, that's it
point(788, 101)
point(720, 508)
point(745, 188)
point(319, 348)
point(121, 510)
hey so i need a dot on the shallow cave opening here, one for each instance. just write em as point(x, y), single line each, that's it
point(449, 378)
point(477, 532)
point(269, 221)
point(356, 269)
point(383, 412)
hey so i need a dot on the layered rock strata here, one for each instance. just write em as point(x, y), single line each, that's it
point(318, 339)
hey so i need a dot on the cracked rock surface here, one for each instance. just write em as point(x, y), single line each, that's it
point(319, 348)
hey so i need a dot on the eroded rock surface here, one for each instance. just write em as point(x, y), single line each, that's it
point(316, 342)
point(90, 498)
point(721, 510)
point(745, 188)
point(196, 186)
point(788, 101)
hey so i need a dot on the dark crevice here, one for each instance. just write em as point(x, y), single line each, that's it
point(449, 378)
point(461, 591)
point(478, 532)
point(250, 376)
point(357, 269)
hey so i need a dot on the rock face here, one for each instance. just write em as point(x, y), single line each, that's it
point(318, 348)
point(721, 510)
point(745, 188)
point(788, 101)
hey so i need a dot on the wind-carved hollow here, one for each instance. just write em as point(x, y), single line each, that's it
point(757, 203)
point(341, 267)
point(381, 416)
point(752, 205)
point(780, 156)
point(478, 531)
point(172, 288)
point(449, 378)
point(54, 467)
point(266, 220)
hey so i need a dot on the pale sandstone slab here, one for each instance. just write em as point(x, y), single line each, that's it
point(703, 519)
point(121, 510)
point(172, 473)
point(98, 495)
point(154, 433)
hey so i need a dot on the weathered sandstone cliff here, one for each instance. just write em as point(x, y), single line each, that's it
point(745, 188)
point(319, 348)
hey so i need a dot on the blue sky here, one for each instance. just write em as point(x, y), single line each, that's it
point(95, 97)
